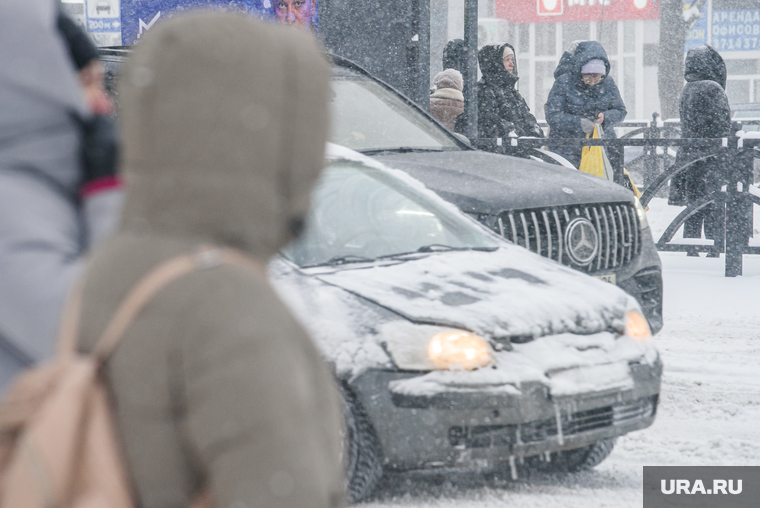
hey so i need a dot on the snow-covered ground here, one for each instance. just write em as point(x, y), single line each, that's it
point(709, 413)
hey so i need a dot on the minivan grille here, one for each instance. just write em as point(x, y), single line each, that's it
point(543, 231)
point(490, 436)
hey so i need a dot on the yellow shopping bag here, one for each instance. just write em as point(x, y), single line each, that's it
point(594, 159)
point(629, 182)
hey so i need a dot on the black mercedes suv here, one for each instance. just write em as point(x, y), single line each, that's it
point(578, 220)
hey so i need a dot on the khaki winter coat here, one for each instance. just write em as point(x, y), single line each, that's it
point(224, 121)
point(446, 104)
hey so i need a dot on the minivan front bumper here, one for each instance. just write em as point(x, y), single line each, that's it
point(482, 430)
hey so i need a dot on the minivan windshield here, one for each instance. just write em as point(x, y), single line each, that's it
point(368, 117)
point(360, 214)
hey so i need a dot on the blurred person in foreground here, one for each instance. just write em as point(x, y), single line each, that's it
point(501, 108)
point(705, 113)
point(585, 94)
point(447, 101)
point(224, 121)
point(59, 193)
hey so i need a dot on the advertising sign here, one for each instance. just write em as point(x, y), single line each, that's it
point(103, 21)
point(736, 30)
point(696, 34)
point(550, 7)
point(552, 11)
point(117, 22)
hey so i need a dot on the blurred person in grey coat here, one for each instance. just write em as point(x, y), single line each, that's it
point(52, 210)
point(224, 121)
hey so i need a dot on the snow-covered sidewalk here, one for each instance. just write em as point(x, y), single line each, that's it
point(710, 402)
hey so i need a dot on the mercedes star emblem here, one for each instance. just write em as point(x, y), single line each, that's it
point(582, 241)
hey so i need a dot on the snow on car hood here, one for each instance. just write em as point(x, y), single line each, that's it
point(507, 293)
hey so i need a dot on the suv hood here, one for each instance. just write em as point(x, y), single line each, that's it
point(486, 293)
point(480, 182)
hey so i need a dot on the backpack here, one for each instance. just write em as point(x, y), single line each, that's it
point(59, 446)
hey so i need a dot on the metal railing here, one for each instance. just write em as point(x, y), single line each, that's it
point(734, 156)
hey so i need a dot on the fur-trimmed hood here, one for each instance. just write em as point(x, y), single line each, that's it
point(204, 158)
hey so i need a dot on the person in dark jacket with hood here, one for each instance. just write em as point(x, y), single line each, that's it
point(453, 55)
point(583, 94)
point(705, 113)
point(501, 108)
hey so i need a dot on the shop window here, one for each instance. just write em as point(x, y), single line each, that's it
point(546, 39)
point(574, 32)
point(524, 37)
point(609, 36)
point(523, 70)
point(544, 82)
point(737, 91)
point(629, 36)
point(737, 67)
point(629, 92)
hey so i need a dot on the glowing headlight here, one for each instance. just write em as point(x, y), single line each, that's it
point(459, 350)
point(641, 213)
point(636, 326)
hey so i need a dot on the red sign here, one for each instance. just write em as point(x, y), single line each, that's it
point(550, 11)
point(550, 7)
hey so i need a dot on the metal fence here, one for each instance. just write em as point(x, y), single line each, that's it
point(734, 156)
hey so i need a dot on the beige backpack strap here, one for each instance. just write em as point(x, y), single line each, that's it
point(69, 331)
point(157, 279)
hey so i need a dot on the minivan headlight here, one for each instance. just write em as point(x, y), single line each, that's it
point(636, 326)
point(641, 213)
point(455, 350)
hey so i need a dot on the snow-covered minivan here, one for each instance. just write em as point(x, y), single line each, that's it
point(454, 348)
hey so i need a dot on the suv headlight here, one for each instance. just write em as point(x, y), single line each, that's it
point(641, 213)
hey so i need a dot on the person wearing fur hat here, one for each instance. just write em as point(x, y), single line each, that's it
point(447, 102)
point(501, 108)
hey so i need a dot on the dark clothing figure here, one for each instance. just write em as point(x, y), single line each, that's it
point(501, 108)
point(453, 55)
point(705, 113)
point(447, 102)
point(571, 100)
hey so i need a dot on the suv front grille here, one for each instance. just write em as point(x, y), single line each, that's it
point(543, 231)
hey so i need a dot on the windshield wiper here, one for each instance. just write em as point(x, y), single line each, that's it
point(400, 149)
point(438, 247)
point(348, 258)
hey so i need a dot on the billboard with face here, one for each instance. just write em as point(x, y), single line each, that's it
point(136, 17)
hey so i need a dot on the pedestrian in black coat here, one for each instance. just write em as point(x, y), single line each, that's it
point(705, 113)
point(575, 103)
point(501, 108)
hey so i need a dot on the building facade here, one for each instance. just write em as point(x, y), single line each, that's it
point(630, 32)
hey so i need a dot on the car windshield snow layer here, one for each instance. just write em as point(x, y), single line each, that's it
point(361, 214)
point(369, 118)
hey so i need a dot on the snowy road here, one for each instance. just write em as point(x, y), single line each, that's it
point(709, 412)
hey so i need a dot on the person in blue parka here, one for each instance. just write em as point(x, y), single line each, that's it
point(584, 94)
